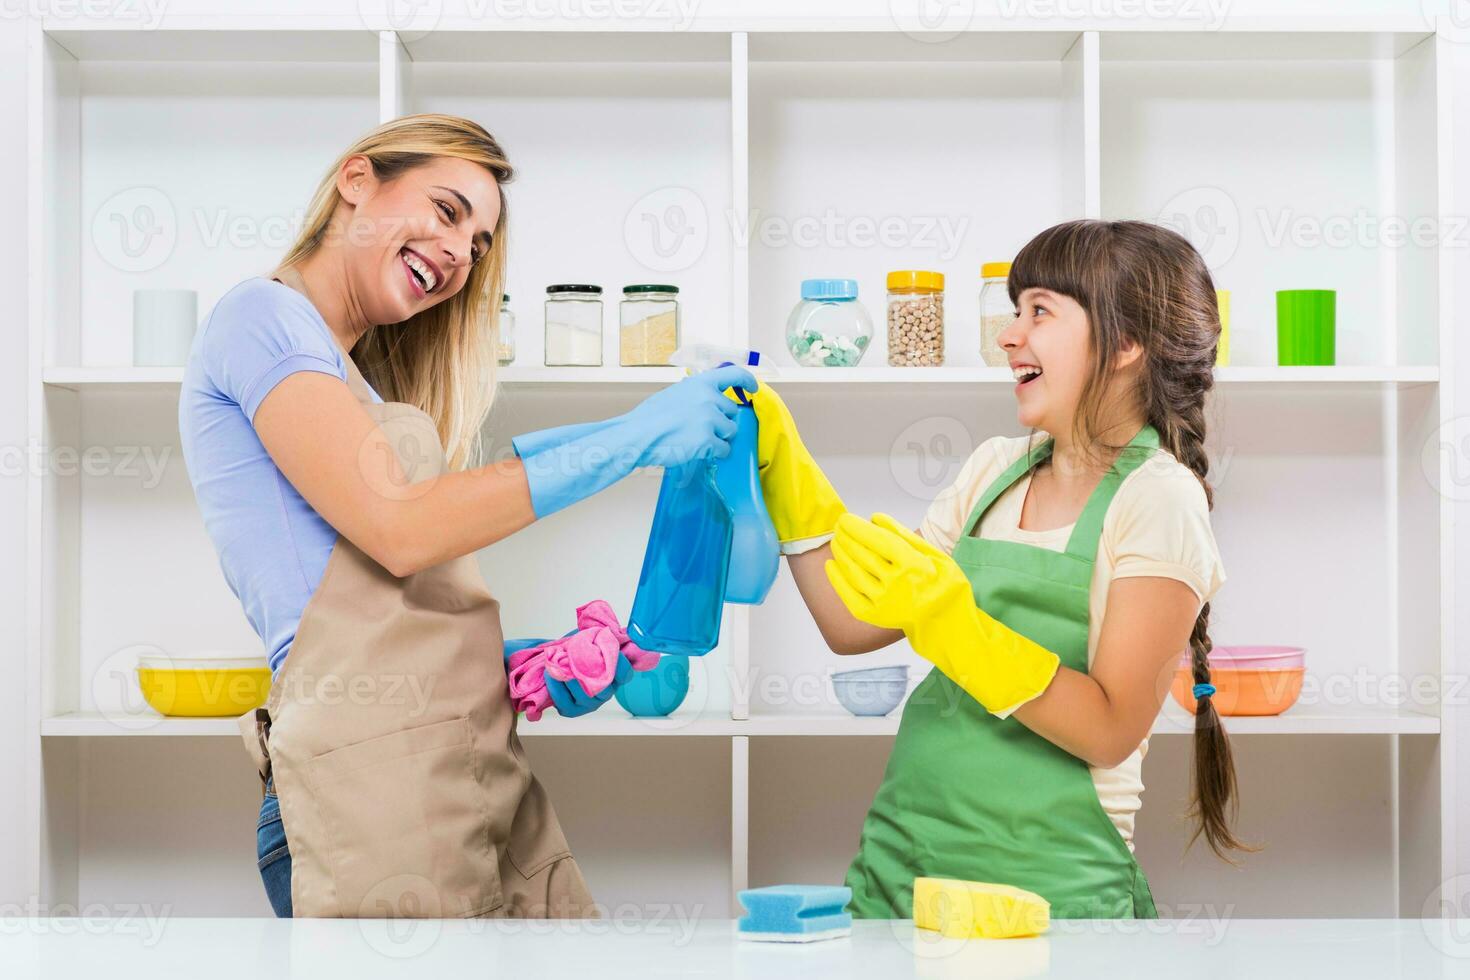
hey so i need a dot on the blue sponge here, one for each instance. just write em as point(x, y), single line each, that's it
point(795, 913)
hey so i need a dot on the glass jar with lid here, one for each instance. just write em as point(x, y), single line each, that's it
point(648, 332)
point(915, 318)
point(573, 325)
point(829, 327)
point(996, 312)
point(505, 335)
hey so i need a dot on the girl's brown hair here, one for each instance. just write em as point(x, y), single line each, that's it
point(442, 359)
point(1140, 282)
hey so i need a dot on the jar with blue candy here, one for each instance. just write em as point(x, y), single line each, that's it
point(829, 327)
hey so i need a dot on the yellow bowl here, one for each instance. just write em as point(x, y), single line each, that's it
point(204, 692)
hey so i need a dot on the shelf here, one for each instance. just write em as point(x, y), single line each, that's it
point(610, 723)
point(128, 378)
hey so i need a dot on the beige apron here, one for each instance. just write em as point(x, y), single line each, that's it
point(392, 743)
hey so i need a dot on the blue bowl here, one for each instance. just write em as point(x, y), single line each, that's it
point(657, 692)
point(871, 692)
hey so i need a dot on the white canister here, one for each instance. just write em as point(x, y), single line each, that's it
point(163, 326)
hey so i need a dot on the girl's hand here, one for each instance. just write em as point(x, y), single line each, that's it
point(889, 576)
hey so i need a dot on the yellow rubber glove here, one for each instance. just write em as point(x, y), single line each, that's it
point(888, 576)
point(802, 502)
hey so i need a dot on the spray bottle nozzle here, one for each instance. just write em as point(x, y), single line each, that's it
point(701, 357)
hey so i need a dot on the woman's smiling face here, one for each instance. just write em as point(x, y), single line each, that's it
point(410, 241)
point(1049, 349)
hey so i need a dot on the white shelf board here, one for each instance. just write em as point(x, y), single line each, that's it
point(207, 45)
point(611, 722)
point(126, 377)
point(569, 47)
point(896, 46)
point(1263, 45)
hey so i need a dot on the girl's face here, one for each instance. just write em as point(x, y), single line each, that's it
point(410, 241)
point(1049, 347)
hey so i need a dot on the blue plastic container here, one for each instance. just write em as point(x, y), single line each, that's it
point(657, 692)
point(712, 542)
point(755, 551)
point(681, 589)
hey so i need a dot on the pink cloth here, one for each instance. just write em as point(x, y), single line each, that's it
point(589, 656)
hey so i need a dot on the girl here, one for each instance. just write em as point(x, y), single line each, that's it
point(1054, 587)
point(347, 526)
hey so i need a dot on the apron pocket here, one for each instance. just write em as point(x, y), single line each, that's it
point(407, 825)
point(536, 838)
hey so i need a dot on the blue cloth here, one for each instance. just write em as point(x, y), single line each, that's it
point(1202, 691)
point(272, 546)
point(272, 856)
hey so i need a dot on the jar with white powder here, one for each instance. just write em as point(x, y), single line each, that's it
point(573, 325)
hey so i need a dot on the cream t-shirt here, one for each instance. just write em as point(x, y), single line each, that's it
point(1158, 524)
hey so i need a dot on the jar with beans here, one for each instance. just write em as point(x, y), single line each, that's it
point(915, 318)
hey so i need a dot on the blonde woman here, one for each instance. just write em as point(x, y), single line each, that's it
point(329, 418)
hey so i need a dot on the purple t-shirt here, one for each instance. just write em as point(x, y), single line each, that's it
point(273, 548)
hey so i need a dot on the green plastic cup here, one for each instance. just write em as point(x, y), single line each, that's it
point(1306, 327)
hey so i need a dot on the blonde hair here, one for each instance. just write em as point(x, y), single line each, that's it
point(443, 359)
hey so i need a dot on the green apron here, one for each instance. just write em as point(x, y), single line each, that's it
point(968, 795)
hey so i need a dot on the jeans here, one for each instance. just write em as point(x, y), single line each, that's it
point(272, 856)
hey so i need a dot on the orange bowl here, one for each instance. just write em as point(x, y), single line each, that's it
point(1243, 692)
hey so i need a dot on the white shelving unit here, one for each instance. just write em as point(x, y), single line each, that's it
point(683, 157)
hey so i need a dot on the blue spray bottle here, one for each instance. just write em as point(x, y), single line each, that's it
point(712, 540)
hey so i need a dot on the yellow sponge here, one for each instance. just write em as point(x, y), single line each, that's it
point(975, 910)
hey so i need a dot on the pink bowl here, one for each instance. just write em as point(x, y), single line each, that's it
point(1253, 658)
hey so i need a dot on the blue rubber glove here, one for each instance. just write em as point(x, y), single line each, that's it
point(687, 421)
point(570, 698)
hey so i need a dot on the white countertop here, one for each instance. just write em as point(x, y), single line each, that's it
point(654, 946)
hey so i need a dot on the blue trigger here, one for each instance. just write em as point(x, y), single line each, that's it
point(739, 392)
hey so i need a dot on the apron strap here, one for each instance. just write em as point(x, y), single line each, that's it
point(1033, 456)
point(288, 276)
point(1087, 532)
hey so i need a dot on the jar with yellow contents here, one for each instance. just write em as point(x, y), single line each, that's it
point(649, 331)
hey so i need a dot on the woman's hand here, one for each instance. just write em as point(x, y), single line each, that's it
point(687, 421)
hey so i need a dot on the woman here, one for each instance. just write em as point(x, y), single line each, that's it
point(329, 418)
point(1054, 587)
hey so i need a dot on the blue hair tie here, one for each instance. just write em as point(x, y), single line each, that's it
point(1202, 691)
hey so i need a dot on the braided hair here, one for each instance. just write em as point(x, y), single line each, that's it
point(1142, 282)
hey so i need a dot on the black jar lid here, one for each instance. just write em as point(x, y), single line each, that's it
point(574, 287)
point(648, 287)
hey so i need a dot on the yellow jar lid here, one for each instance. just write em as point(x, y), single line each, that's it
point(995, 270)
point(905, 279)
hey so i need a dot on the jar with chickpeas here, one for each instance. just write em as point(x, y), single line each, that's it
point(915, 318)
